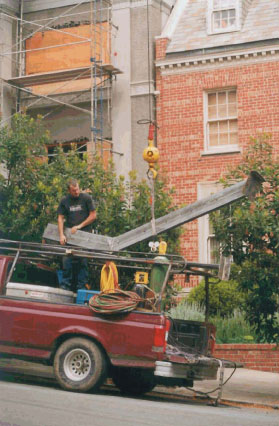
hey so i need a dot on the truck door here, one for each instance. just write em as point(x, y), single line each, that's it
point(19, 331)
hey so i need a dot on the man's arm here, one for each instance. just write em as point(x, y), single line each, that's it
point(91, 217)
point(61, 229)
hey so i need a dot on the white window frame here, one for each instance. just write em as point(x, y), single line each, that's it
point(210, 16)
point(205, 189)
point(220, 148)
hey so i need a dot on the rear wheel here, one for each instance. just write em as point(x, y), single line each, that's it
point(80, 365)
point(133, 381)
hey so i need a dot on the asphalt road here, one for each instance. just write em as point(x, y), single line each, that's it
point(25, 402)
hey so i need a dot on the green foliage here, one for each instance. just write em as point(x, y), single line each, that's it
point(224, 297)
point(31, 188)
point(250, 231)
point(186, 310)
point(232, 329)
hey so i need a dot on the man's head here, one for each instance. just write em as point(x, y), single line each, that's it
point(73, 188)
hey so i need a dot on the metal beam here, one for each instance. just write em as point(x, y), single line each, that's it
point(247, 188)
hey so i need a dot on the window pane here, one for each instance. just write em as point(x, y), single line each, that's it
point(223, 126)
point(222, 98)
point(232, 109)
point(216, 20)
point(213, 128)
point(213, 140)
point(213, 250)
point(223, 139)
point(222, 111)
point(213, 134)
point(211, 98)
point(212, 111)
point(224, 14)
point(233, 125)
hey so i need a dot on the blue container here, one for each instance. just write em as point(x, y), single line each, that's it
point(84, 295)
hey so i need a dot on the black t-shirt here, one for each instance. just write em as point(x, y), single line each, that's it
point(76, 210)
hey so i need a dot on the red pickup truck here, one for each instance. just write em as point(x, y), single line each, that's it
point(137, 350)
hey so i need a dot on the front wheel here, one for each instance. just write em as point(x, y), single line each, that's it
point(80, 365)
point(133, 381)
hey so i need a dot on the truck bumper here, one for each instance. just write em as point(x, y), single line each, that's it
point(204, 369)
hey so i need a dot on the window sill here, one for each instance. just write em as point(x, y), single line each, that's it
point(235, 150)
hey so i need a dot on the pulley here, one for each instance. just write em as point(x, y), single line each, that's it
point(151, 153)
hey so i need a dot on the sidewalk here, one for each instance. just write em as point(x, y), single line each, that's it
point(250, 387)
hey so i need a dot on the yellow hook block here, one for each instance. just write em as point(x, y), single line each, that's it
point(151, 153)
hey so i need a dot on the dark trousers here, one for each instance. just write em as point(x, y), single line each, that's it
point(67, 276)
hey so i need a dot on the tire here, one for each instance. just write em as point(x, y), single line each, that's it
point(79, 365)
point(133, 381)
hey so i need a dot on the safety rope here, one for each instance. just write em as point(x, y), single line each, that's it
point(118, 301)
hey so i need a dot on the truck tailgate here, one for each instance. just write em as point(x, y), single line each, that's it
point(191, 337)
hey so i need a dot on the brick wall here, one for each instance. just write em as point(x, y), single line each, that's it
point(264, 357)
point(161, 45)
point(181, 125)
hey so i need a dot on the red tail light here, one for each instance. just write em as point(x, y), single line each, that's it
point(161, 337)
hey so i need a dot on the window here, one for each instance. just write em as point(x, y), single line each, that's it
point(34, 273)
point(221, 128)
point(223, 16)
point(213, 247)
point(209, 248)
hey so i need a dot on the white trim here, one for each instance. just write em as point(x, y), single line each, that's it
point(173, 19)
point(224, 59)
point(230, 149)
point(220, 149)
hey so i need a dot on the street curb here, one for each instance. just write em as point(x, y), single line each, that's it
point(225, 401)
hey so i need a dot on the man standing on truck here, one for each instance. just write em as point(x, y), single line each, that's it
point(77, 211)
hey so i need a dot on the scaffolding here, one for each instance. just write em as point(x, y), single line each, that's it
point(52, 56)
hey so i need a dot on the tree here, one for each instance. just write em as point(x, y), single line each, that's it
point(250, 231)
point(31, 187)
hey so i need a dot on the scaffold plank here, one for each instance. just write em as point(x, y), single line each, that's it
point(60, 76)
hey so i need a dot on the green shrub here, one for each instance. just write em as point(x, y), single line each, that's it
point(224, 297)
point(233, 329)
point(188, 311)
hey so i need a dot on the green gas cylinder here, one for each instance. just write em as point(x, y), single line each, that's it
point(159, 269)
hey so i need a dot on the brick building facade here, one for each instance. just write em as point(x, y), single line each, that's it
point(217, 85)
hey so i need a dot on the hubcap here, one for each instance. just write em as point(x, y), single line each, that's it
point(77, 364)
